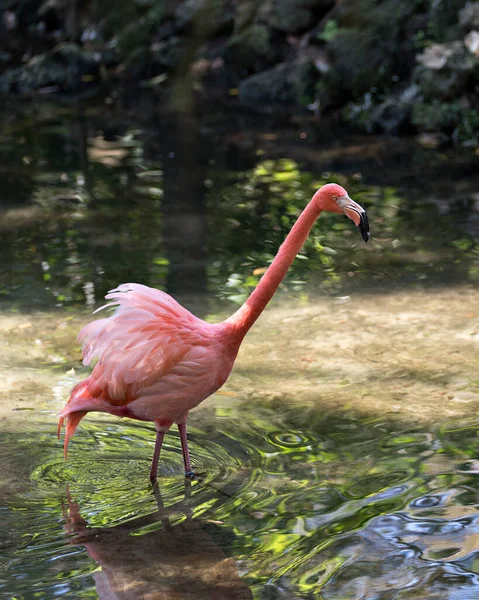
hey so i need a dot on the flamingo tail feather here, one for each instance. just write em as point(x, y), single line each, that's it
point(73, 419)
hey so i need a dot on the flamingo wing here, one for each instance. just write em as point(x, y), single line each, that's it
point(147, 336)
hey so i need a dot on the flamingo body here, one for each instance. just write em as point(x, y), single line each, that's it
point(155, 361)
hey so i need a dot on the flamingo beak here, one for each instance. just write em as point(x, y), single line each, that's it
point(356, 213)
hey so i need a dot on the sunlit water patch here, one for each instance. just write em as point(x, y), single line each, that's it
point(366, 511)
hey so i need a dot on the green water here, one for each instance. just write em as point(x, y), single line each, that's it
point(93, 198)
point(294, 498)
point(332, 508)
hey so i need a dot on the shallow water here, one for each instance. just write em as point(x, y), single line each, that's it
point(334, 508)
point(341, 460)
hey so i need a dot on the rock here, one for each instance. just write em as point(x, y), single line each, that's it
point(443, 18)
point(455, 119)
point(187, 11)
point(9, 20)
point(394, 114)
point(252, 50)
point(321, 6)
point(471, 41)
point(445, 71)
point(67, 68)
point(5, 57)
point(410, 94)
point(209, 16)
point(293, 16)
point(245, 14)
point(469, 16)
point(390, 116)
point(286, 15)
point(274, 86)
point(285, 84)
point(436, 56)
point(167, 52)
point(137, 63)
point(369, 45)
point(165, 30)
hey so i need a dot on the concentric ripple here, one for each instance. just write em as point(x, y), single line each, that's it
point(303, 511)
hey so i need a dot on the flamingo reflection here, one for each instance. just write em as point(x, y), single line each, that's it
point(172, 561)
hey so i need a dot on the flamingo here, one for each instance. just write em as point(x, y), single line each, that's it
point(156, 361)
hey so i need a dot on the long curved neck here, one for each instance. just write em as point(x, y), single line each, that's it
point(244, 318)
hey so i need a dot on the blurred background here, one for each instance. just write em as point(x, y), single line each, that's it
point(174, 143)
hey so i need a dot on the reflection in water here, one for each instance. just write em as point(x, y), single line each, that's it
point(97, 202)
point(185, 161)
point(151, 557)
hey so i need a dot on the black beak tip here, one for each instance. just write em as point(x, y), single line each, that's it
point(364, 227)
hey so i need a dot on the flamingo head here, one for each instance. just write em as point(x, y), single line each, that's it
point(334, 198)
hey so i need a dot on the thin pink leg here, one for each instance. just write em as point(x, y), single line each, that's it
point(184, 447)
point(156, 454)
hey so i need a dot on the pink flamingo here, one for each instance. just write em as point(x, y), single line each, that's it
point(156, 361)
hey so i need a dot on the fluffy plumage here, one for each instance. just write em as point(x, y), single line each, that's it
point(154, 360)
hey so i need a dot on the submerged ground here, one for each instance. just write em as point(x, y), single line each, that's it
point(340, 459)
point(409, 356)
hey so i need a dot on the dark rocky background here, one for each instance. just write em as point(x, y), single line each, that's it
point(408, 67)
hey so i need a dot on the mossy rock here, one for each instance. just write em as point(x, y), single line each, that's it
point(446, 71)
point(285, 84)
point(167, 52)
point(469, 17)
point(456, 119)
point(286, 15)
point(369, 45)
point(293, 16)
point(252, 50)
point(208, 17)
point(68, 67)
point(443, 19)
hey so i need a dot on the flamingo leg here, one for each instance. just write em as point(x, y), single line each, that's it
point(156, 454)
point(184, 448)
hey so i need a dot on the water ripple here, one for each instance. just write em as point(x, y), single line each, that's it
point(302, 512)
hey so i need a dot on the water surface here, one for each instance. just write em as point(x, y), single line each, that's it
point(340, 461)
point(337, 507)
